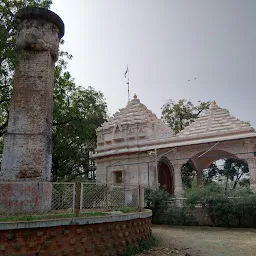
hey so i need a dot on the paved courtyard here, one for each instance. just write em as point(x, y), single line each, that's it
point(204, 241)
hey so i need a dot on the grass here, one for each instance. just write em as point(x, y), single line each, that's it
point(61, 215)
point(48, 216)
point(92, 214)
point(128, 209)
point(142, 246)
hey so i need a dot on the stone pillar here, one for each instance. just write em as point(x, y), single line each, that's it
point(27, 155)
point(178, 187)
point(252, 171)
point(251, 160)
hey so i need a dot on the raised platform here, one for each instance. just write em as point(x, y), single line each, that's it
point(90, 236)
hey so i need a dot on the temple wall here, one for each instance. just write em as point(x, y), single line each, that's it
point(134, 168)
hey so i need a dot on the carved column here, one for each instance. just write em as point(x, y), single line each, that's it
point(251, 160)
point(27, 155)
point(252, 170)
point(178, 186)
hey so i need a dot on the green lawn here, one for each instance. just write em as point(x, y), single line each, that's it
point(48, 216)
point(61, 215)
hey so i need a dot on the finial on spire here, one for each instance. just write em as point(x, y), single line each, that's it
point(214, 103)
point(135, 96)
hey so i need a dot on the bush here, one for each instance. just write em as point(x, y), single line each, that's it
point(178, 215)
point(157, 201)
point(164, 212)
point(225, 209)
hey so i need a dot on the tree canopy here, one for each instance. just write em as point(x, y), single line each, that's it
point(183, 113)
point(77, 114)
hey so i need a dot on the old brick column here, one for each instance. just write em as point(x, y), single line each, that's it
point(27, 156)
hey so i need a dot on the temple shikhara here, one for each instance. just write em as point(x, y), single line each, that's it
point(136, 147)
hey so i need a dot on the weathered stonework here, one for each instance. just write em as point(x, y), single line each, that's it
point(27, 146)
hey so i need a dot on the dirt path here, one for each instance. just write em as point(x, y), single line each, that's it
point(204, 241)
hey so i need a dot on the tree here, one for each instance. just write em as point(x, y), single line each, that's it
point(211, 174)
point(77, 113)
point(234, 170)
point(181, 114)
point(188, 175)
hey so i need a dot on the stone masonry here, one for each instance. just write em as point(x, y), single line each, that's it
point(27, 156)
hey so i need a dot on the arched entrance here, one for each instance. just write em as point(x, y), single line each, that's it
point(202, 160)
point(219, 166)
point(165, 175)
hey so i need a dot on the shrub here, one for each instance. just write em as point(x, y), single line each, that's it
point(225, 209)
point(157, 201)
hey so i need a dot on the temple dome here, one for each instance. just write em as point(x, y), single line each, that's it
point(134, 113)
point(133, 124)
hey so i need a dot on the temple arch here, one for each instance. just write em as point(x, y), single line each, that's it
point(165, 174)
point(199, 168)
point(202, 160)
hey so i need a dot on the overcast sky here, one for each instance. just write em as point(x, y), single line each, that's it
point(165, 43)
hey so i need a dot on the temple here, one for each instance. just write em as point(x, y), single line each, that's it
point(135, 147)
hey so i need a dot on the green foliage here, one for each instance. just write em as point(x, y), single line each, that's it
point(77, 113)
point(188, 175)
point(183, 113)
point(225, 209)
point(233, 208)
point(14, 218)
point(156, 200)
point(143, 245)
point(165, 212)
point(177, 215)
point(128, 209)
point(233, 174)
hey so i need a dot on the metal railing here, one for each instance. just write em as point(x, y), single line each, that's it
point(110, 196)
point(76, 198)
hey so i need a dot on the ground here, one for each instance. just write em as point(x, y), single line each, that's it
point(201, 241)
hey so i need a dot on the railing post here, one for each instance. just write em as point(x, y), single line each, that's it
point(139, 201)
point(77, 198)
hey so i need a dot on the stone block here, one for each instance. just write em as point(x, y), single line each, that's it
point(26, 196)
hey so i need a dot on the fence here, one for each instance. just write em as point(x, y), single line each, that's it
point(110, 197)
point(75, 198)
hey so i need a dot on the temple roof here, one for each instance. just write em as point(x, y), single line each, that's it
point(214, 126)
point(137, 113)
point(215, 122)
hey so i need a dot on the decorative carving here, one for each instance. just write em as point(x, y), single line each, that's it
point(39, 30)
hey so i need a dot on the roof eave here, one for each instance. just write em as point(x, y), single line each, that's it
point(174, 143)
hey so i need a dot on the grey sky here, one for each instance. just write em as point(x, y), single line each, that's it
point(165, 43)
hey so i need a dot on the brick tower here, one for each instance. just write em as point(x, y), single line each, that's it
point(27, 157)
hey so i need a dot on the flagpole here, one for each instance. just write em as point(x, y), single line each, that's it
point(128, 82)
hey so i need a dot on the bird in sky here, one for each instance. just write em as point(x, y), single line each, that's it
point(190, 80)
